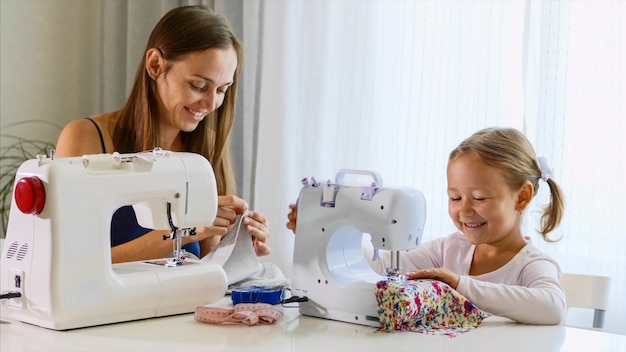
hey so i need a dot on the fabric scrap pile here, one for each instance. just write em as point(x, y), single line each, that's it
point(425, 306)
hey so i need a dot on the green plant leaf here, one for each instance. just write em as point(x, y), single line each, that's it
point(14, 152)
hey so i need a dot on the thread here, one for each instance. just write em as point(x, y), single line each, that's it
point(328, 195)
point(102, 161)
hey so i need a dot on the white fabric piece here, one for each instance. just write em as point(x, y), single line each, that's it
point(235, 254)
point(270, 275)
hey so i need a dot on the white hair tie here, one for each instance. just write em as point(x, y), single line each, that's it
point(544, 167)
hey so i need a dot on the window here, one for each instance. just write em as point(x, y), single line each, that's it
point(393, 86)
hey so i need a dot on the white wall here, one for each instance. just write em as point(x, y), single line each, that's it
point(48, 63)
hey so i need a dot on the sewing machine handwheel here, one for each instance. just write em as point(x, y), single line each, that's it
point(30, 195)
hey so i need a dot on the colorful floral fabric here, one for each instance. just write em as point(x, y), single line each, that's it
point(425, 306)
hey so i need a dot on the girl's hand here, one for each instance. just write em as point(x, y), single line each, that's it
point(441, 274)
point(292, 217)
point(256, 224)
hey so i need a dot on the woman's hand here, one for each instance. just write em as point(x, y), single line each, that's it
point(228, 207)
point(292, 217)
point(441, 274)
point(257, 225)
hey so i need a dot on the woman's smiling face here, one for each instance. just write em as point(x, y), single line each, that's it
point(194, 86)
point(480, 202)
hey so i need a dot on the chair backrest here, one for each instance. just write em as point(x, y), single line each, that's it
point(587, 291)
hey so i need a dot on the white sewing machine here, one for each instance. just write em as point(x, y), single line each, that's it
point(57, 253)
point(329, 266)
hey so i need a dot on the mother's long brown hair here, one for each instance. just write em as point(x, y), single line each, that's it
point(181, 31)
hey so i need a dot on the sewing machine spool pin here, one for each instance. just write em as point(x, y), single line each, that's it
point(328, 195)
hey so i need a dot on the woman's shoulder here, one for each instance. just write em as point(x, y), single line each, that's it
point(106, 118)
point(84, 136)
point(100, 119)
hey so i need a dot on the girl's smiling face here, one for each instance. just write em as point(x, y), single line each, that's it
point(480, 202)
point(194, 86)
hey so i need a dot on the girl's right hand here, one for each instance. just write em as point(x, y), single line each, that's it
point(440, 274)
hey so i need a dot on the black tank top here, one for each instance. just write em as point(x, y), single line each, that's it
point(104, 149)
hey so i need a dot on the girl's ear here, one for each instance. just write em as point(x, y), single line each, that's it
point(525, 195)
point(154, 62)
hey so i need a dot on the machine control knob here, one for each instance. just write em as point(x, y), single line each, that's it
point(30, 195)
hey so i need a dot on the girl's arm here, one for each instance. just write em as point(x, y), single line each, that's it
point(538, 299)
point(427, 255)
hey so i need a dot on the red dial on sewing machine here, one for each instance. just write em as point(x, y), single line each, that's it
point(30, 195)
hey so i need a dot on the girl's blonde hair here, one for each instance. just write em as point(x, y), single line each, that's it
point(510, 151)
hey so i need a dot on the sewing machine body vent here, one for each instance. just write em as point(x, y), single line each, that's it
point(329, 266)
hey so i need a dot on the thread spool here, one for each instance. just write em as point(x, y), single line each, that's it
point(102, 161)
point(328, 195)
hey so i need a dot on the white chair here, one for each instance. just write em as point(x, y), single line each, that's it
point(589, 292)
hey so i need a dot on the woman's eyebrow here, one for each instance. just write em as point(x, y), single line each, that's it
point(212, 81)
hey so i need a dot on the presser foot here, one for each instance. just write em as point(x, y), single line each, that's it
point(176, 260)
point(394, 274)
point(179, 253)
point(172, 262)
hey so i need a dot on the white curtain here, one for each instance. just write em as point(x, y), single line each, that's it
point(393, 86)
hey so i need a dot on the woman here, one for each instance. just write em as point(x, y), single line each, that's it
point(183, 99)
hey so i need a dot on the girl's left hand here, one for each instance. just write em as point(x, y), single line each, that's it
point(441, 274)
point(292, 217)
point(257, 225)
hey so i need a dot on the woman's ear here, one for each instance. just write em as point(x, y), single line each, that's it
point(154, 62)
point(525, 195)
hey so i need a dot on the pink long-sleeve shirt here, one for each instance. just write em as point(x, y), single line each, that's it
point(526, 289)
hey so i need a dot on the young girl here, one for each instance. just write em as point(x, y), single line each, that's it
point(492, 177)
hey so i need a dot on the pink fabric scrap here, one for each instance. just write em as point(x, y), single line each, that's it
point(244, 313)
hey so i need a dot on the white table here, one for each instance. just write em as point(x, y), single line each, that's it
point(294, 332)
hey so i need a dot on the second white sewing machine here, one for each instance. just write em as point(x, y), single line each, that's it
point(56, 259)
point(329, 266)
